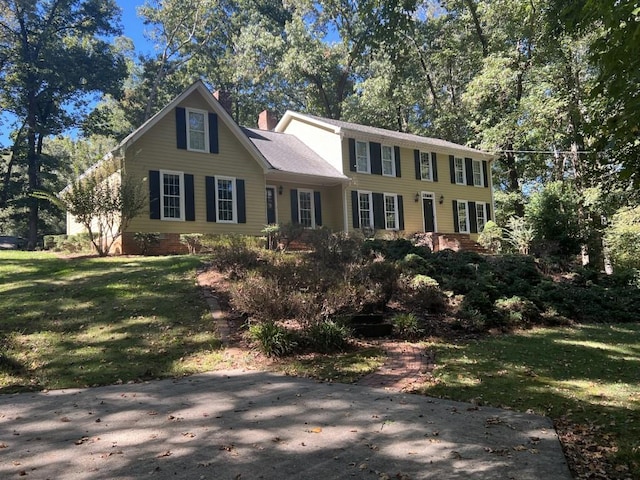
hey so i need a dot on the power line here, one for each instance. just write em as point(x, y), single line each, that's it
point(550, 152)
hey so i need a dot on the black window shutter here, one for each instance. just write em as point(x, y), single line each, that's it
point(488, 207)
point(355, 209)
point(456, 225)
point(181, 128)
point(378, 210)
point(210, 188)
point(241, 203)
point(294, 206)
point(434, 166)
point(416, 160)
point(400, 207)
point(485, 172)
point(396, 154)
point(189, 198)
point(213, 133)
point(468, 163)
point(317, 206)
point(452, 168)
point(352, 155)
point(375, 150)
point(473, 219)
point(154, 194)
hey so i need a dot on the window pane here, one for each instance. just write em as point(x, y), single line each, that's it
point(225, 200)
point(365, 210)
point(171, 195)
point(480, 216)
point(390, 211)
point(305, 209)
point(196, 131)
point(362, 157)
point(477, 173)
point(462, 216)
point(387, 161)
point(425, 166)
point(459, 166)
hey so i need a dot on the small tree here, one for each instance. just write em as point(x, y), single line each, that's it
point(519, 234)
point(103, 201)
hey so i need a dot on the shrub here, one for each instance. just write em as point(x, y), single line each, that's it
point(272, 339)
point(145, 241)
point(335, 248)
point(623, 238)
point(259, 298)
point(414, 263)
point(193, 242)
point(234, 254)
point(491, 237)
point(328, 336)
point(406, 325)
point(517, 311)
point(421, 292)
point(520, 234)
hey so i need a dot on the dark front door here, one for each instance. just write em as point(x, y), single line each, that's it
point(429, 220)
point(271, 205)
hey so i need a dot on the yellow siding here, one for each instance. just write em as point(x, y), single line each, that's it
point(407, 185)
point(331, 198)
point(157, 150)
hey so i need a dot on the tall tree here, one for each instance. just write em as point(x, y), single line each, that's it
point(53, 55)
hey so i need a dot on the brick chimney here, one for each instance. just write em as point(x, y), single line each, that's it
point(224, 99)
point(267, 120)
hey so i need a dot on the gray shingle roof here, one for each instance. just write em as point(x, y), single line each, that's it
point(286, 153)
point(391, 134)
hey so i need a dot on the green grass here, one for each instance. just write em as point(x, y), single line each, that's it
point(586, 378)
point(94, 321)
point(343, 367)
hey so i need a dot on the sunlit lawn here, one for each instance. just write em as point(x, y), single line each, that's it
point(587, 378)
point(94, 321)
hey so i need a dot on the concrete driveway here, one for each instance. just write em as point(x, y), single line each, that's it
point(258, 425)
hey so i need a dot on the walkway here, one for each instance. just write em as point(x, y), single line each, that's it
point(406, 367)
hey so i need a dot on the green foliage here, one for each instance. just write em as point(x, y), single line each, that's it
point(327, 336)
point(406, 325)
point(272, 339)
point(491, 237)
point(146, 241)
point(520, 234)
point(103, 201)
point(516, 311)
point(193, 242)
point(80, 242)
point(622, 238)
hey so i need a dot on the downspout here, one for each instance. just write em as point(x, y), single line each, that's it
point(345, 215)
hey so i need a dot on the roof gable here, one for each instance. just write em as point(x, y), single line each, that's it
point(214, 105)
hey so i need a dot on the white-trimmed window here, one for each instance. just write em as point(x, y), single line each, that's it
point(226, 200)
point(172, 195)
point(388, 161)
point(390, 211)
point(460, 174)
point(481, 216)
point(478, 179)
point(463, 216)
point(365, 209)
point(426, 172)
point(306, 208)
point(363, 165)
point(197, 128)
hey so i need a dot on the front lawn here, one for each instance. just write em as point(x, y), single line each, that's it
point(586, 378)
point(94, 321)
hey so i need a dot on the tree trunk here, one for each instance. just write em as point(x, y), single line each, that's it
point(33, 174)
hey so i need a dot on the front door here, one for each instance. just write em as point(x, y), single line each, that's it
point(429, 216)
point(271, 205)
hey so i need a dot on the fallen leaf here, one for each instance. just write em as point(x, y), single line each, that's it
point(65, 419)
point(520, 448)
point(168, 453)
point(81, 441)
point(314, 430)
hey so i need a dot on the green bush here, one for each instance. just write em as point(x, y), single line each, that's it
point(421, 292)
point(328, 336)
point(193, 242)
point(516, 311)
point(145, 241)
point(406, 325)
point(622, 238)
point(491, 237)
point(273, 340)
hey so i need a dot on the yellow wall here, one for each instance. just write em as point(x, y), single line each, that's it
point(331, 198)
point(408, 186)
point(157, 150)
point(321, 140)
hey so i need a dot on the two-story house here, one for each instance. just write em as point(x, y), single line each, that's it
point(207, 174)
